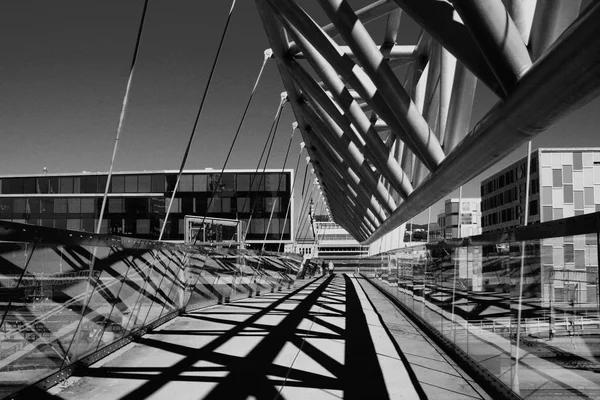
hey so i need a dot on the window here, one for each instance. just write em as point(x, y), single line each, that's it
point(186, 183)
point(569, 253)
point(74, 206)
point(568, 194)
point(87, 224)
point(143, 226)
point(136, 205)
point(567, 174)
point(588, 196)
point(89, 184)
point(74, 224)
point(272, 203)
point(29, 185)
point(66, 185)
point(187, 205)
point(131, 182)
point(144, 183)
point(578, 200)
point(47, 206)
point(19, 207)
point(157, 205)
point(60, 206)
point(118, 184)
point(556, 178)
point(577, 161)
point(158, 183)
point(200, 183)
point(88, 206)
point(243, 204)
point(243, 182)
point(34, 206)
point(115, 205)
point(547, 213)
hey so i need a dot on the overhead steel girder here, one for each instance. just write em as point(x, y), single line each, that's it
point(391, 28)
point(550, 20)
point(330, 133)
point(436, 17)
point(373, 209)
point(498, 39)
point(351, 218)
point(366, 14)
point(374, 149)
point(461, 105)
point(372, 212)
point(395, 52)
point(565, 78)
point(370, 58)
point(298, 22)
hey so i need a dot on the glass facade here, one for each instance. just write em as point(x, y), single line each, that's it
point(138, 202)
point(523, 306)
point(67, 296)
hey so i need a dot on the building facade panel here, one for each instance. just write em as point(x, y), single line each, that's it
point(138, 201)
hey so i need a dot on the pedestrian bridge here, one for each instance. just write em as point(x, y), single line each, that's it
point(155, 320)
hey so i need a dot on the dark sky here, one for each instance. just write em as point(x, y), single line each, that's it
point(64, 66)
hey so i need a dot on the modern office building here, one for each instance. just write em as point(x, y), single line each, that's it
point(564, 182)
point(138, 201)
point(335, 243)
point(467, 210)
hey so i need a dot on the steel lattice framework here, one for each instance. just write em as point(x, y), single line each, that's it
point(541, 60)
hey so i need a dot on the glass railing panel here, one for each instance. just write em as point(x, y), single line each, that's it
point(558, 345)
point(177, 279)
point(111, 284)
point(14, 259)
point(49, 310)
point(95, 304)
point(160, 287)
point(139, 299)
point(148, 292)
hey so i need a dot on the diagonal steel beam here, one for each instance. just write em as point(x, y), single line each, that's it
point(374, 149)
point(437, 18)
point(334, 172)
point(550, 20)
point(567, 77)
point(301, 25)
point(374, 64)
point(498, 39)
point(351, 158)
point(394, 52)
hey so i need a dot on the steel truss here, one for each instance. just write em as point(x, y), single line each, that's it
point(541, 60)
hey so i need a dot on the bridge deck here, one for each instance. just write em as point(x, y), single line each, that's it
point(324, 340)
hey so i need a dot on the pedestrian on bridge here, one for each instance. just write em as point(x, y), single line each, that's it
point(331, 266)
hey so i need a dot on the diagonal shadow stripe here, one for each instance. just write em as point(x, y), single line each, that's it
point(241, 382)
point(194, 356)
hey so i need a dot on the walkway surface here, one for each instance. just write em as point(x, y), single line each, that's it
point(324, 340)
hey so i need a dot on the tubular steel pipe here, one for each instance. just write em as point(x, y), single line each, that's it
point(374, 149)
point(373, 210)
point(393, 52)
point(374, 64)
point(567, 77)
point(331, 135)
point(437, 18)
point(550, 20)
point(296, 18)
point(522, 12)
point(351, 217)
point(391, 27)
point(447, 71)
point(336, 166)
point(461, 105)
point(498, 39)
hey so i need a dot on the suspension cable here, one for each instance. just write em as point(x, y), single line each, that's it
point(287, 212)
point(204, 95)
point(233, 142)
point(287, 152)
point(272, 134)
point(306, 202)
point(123, 113)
